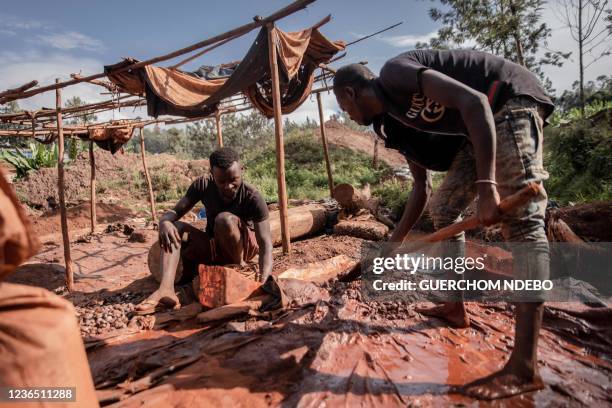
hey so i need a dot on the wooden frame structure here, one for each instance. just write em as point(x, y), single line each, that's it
point(45, 118)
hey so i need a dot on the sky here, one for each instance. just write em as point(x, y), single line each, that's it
point(44, 40)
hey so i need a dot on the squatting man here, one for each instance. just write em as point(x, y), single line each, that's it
point(480, 118)
point(237, 229)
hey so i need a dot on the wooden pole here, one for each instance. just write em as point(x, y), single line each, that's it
point(92, 187)
point(146, 172)
point(219, 131)
point(61, 189)
point(278, 133)
point(330, 179)
point(375, 155)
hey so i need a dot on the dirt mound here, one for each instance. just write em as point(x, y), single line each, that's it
point(119, 177)
point(78, 217)
point(343, 136)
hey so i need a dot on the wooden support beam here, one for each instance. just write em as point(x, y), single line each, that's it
point(330, 179)
point(219, 130)
point(61, 190)
point(19, 89)
point(375, 155)
point(92, 187)
point(146, 172)
point(278, 133)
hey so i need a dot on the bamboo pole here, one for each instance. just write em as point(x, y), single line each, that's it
point(330, 179)
point(61, 190)
point(146, 172)
point(278, 133)
point(92, 187)
point(259, 22)
point(219, 131)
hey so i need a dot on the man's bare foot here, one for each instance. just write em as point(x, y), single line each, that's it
point(160, 299)
point(454, 313)
point(502, 384)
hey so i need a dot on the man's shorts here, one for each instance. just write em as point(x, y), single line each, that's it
point(201, 249)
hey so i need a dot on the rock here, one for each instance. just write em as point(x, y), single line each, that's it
point(138, 236)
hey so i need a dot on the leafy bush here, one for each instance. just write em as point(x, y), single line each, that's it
point(393, 194)
point(41, 156)
point(579, 159)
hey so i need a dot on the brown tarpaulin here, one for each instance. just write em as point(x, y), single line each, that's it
point(173, 92)
point(112, 136)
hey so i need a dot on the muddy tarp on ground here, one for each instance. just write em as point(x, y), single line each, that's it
point(174, 92)
point(343, 352)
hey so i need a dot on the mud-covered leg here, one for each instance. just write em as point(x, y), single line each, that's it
point(453, 196)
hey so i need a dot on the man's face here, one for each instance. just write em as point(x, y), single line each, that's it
point(228, 180)
point(354, 105)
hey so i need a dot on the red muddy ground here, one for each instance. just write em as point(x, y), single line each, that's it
point(341, 352)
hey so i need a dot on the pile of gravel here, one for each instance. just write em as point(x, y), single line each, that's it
point(98, 316)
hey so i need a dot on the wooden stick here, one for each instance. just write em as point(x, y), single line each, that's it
point(61, 190)
point(278, 133)
point(146, 172)
point(219, 131)
point(516, 200)
point(92, 187)
point(19, 89)
point(375, 155)
point(330, 179)
point(512, 202)
point(290, 9)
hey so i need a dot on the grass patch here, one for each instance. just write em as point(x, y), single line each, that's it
point(305, 171)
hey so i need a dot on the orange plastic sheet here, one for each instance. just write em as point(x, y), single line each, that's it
point(174, 92)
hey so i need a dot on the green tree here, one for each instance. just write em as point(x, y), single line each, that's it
point(509, 28)
point(80, 118)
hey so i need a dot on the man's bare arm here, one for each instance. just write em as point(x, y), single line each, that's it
point(168, 234)
point(421, 191)
point(478, 118)
point(264, 241)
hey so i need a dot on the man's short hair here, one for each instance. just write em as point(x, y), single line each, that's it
point(356, 76)
point(223, 158)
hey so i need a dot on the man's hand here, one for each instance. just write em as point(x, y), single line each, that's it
point(168, 235)
point(488, 204)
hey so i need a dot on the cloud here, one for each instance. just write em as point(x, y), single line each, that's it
point(403, 41)
point(13, 23)
point(71, 40)
point(309, 108)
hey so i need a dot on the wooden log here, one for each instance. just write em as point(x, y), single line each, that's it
point(92, 187)
point(290, 9)
point(61, 190)
point(320, 271)
point(330, 179)
point(304, 220)
point(370, 230)
point(147, 177)
point(351, 198)
point(219, 130)
point(278, 133)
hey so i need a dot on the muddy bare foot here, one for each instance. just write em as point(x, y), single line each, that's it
point(454, 313)
point(502, 384)
point(159, 300)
